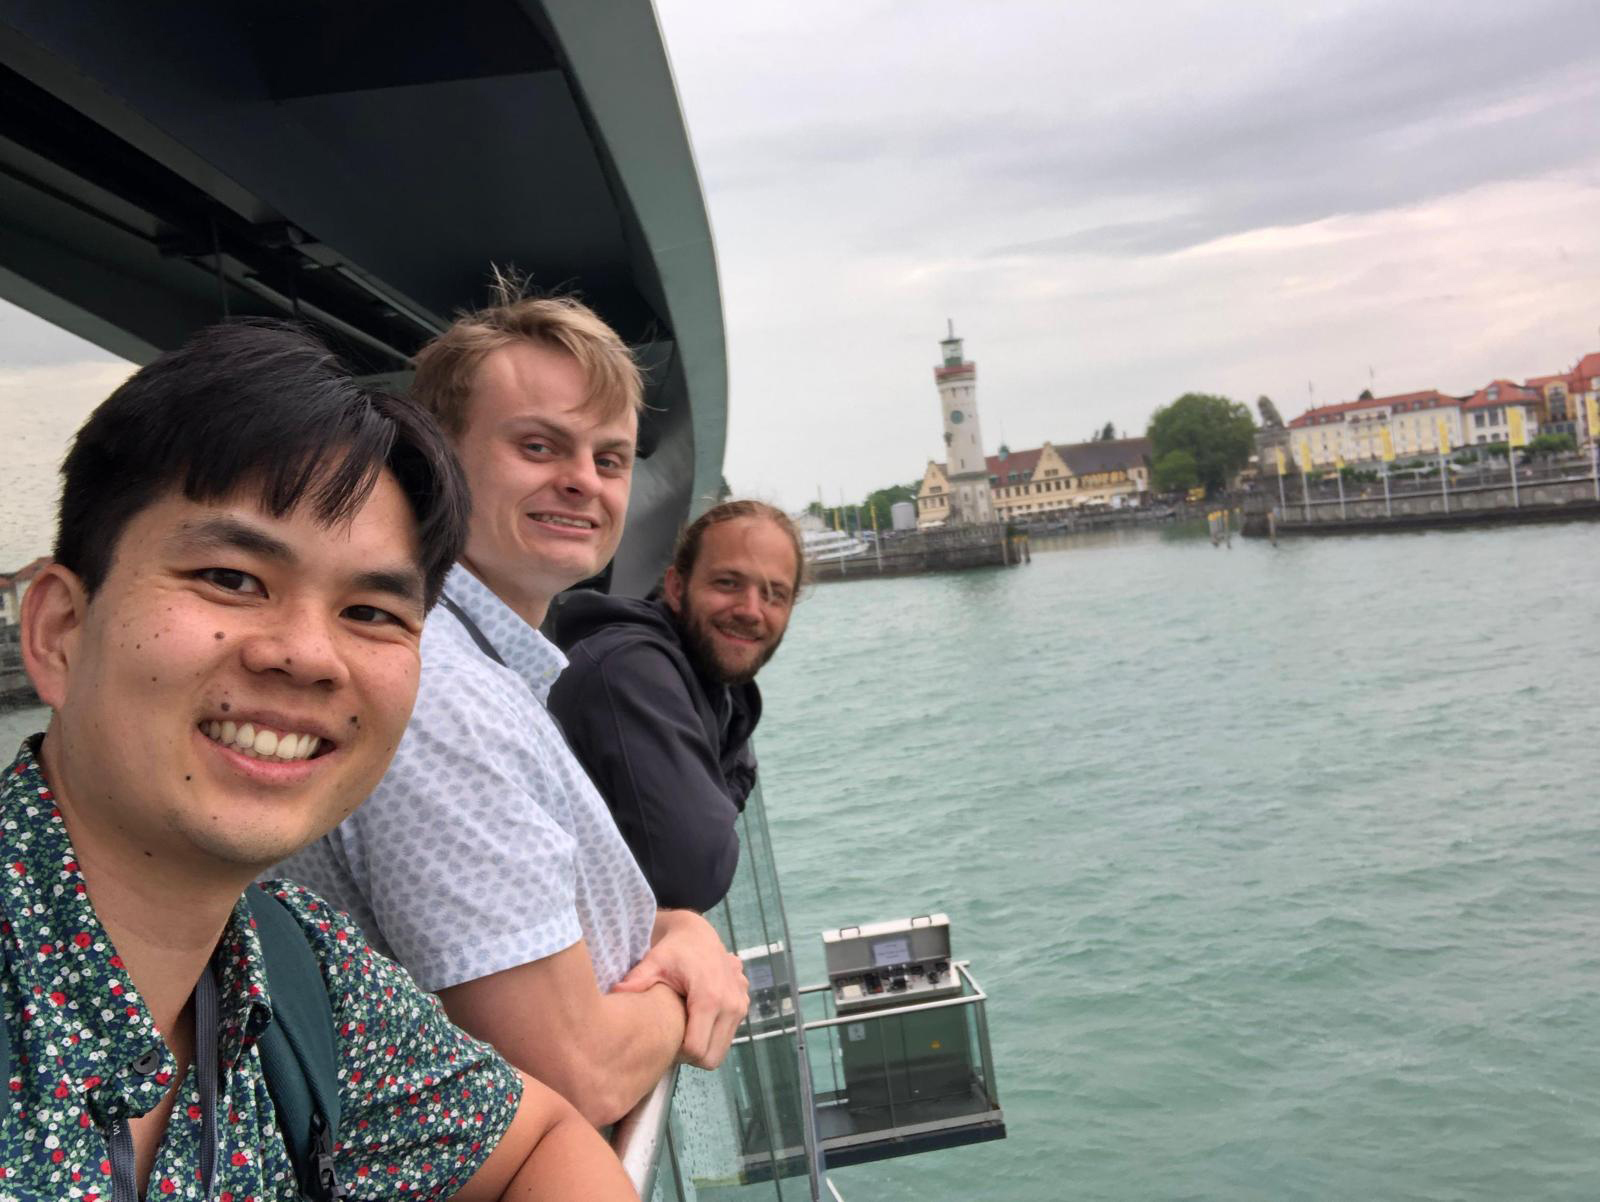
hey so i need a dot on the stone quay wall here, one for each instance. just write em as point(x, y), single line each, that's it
point(912, 552)
point(1539, 497)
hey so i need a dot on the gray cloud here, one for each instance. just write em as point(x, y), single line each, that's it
point(1370, 108)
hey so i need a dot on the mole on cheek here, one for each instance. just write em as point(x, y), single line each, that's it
point(218, 635)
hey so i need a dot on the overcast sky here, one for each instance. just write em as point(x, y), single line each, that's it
point(1115, 203)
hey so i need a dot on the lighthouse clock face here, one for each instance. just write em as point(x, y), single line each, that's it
point(957, 417)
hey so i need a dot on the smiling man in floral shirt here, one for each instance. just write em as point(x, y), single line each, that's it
point(228, 639)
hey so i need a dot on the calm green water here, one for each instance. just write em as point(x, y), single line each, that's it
point(1282, 867)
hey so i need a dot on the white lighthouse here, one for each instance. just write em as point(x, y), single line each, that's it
point(965, 466)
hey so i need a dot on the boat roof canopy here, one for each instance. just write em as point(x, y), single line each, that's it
point(362, 165)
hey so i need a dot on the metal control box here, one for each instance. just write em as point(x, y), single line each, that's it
point(765, 1060)
point(918, 1051)
point(766, 967)
point(884, 964)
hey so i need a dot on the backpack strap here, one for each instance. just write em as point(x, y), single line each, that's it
point(299, 1053)
point(471, 627)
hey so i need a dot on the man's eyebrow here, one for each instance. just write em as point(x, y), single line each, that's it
point(220, 532)
point(405, 583)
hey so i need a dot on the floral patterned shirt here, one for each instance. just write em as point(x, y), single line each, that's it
point(423, 1104)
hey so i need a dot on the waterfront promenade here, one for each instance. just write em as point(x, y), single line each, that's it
point(1480, 495)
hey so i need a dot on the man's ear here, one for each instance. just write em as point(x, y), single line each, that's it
point(672, 589)
point(53, 612)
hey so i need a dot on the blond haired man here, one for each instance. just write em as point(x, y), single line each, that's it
point(486, 862)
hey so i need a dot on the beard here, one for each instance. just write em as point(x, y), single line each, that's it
point(699, 641)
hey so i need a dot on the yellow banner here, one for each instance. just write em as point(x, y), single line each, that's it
point(1444, 436)
point(1387, 443)
point(1519, 429)
point(1338, 460)
point(1305, 456)
point(1594, 417)
point(1283, 465)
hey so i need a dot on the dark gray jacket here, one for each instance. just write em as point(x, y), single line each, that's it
point(668, 749)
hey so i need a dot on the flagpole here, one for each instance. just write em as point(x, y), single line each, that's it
point(1339, 471)
point(1386, 446)
point(1593, 408)
point(1444, 481)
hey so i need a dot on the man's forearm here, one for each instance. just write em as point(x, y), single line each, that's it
point(637, 1040)
point(602, 1052)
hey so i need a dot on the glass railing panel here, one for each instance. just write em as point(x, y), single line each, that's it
point(745, 1130)
point(901, 1070)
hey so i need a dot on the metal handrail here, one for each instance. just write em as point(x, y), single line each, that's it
point(970, 999)
point(639, 1135)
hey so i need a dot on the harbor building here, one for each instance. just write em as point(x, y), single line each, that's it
point(1486, 414)
point(1352, 432)
point(965, 495)
point(1565, 398)
point(1049, 480)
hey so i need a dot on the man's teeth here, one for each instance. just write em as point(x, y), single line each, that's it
point(558, 520)
point(263, 744)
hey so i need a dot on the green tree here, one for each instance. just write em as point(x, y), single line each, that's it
point(1269, 412)
point(814, 508)
point(1176, 471)
point(1217, 432)
point(879, 501)
point(1551, 444)
point(1107, 433)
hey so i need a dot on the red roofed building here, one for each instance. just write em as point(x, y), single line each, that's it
point(1565, 398)
point(1353, 431)
point(1486, 414)
point(1048, 479)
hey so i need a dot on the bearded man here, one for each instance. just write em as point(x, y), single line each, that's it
point(659, 698)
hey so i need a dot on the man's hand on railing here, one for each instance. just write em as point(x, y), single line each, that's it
point(687, 956)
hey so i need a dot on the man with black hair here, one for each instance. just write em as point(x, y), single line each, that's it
point(659, 698)
point(227, 639)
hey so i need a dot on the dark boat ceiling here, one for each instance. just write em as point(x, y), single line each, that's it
point(361, 164)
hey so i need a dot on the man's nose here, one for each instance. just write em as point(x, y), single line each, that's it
point(299, 643)
point(748, 605)
point(580, 477)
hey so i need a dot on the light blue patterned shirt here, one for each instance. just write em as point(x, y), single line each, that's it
point(485, 846)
